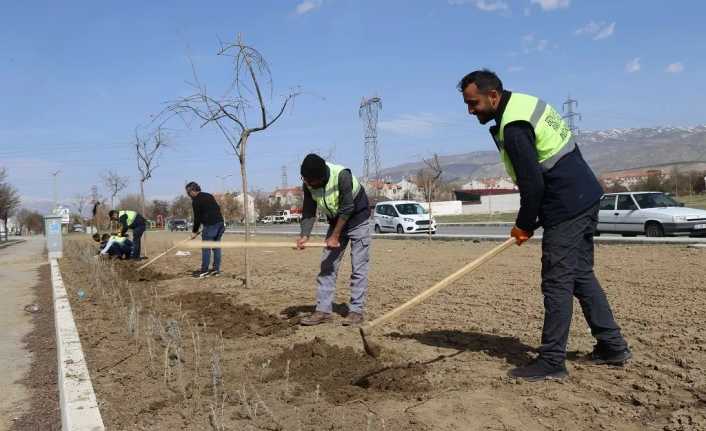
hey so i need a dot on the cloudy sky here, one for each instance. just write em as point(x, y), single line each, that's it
point(78, 77)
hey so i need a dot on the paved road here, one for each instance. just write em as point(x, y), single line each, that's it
point(19, 264)
point(443, 230)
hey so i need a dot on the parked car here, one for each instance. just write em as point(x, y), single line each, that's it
point(267, 220)
point(402, 217)
point(650, 213)
point(77, 228)
point(178, 225)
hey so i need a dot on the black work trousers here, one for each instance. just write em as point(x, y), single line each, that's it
point(567, 271)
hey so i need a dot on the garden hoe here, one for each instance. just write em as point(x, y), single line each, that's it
point(373, 349)
point(140, 268)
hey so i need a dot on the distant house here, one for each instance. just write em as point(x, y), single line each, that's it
point(252, 214)
point(291, 197)
point(495, 184)
point(630, 178)
point(387, 189)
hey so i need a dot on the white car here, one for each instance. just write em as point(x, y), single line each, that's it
point(650, 213)
point(402, 217)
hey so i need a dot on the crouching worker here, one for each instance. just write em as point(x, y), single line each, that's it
point(337, 193)
point(114, 246)
point(130, 220)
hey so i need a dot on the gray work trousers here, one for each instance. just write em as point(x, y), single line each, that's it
point(359, 238)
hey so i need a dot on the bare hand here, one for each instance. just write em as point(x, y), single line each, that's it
point(333, 242)
point(301, 242)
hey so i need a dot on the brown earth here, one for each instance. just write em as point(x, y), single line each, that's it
point(173, 352)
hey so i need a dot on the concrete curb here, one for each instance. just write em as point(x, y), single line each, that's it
point(79, 408)
point(437, 237)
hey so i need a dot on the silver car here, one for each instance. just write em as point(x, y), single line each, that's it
point(650, 213)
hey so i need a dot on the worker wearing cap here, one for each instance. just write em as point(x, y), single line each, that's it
point(128, 219)
point(559, 192)
point(336, 192)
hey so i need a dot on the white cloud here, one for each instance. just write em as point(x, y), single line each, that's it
point(675, 68)
point(530, 44)
point(598, 30)
point(413, 124)
point(484, 5)
point(307, 6)
point(633, 65)
point(551, 4)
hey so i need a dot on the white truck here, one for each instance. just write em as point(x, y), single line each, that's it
point(287, 216)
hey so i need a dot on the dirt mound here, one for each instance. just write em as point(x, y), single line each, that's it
point(129, 272)
point(343, 374)
point(219, 313)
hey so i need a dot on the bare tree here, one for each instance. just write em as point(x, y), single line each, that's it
point(80, 200)
point(429, 178)
point(240, 112)
point(147, 150)
point(180, 207)
point(9, 199)
point(115, 184)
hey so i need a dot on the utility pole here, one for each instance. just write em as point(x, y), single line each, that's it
point(368, 112)
point(223, 181)
point(568, 107)
point(56, 190)
point(285, 183)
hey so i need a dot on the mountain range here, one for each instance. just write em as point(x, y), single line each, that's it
point(605, 150)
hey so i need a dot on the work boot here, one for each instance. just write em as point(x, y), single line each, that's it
point(538, 371)
point(316, 318)
point(353, 319)
point(604, 356)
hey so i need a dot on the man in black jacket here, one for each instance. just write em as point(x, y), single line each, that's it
point(208, 213)
point(559, 192)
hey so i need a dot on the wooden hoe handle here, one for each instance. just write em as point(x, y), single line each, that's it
point(243, 244)
point(438, 286)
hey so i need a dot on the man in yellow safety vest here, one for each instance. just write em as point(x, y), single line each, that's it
point(336, 192)
point(128, 219)
point(560, 193)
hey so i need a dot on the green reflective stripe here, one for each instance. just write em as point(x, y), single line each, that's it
point(131, 215)
point(566, 149)
point(538, 111)
point(328, 198)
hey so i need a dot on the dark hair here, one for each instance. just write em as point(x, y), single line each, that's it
point(193, 187)
point(105, 237)
point(313, 167)
point(484, 79)
point(111, 213)
point(96, 237)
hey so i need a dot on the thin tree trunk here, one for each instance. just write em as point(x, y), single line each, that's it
point(143, 249)
point(244, 178)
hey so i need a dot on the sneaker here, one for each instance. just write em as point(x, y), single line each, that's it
point(316, 318)
point(214, 273)
point(538, 371)
point(201, 274)
point(353, 319)
point(602, 356)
